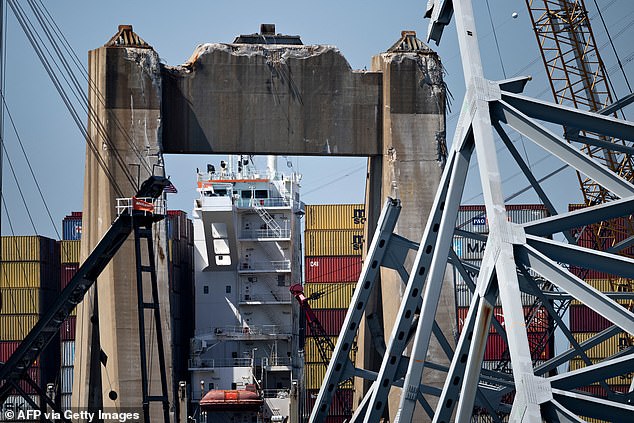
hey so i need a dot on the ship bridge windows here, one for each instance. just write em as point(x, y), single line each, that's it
point(221, 244)
point(257, 193)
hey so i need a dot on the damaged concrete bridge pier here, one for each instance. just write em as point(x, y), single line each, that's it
point(264, 93)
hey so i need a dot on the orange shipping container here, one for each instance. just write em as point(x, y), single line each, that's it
point(335, 216)
point(333, 243)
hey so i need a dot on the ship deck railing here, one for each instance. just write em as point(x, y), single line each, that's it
point(270, 298)
point(267, 266)
point(265, 234)
point(276, 393)
point(277, 361)
point(211, 363)
point(263, 202)
point(247, 331)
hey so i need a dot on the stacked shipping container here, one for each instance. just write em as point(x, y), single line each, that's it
point(333, 246)
point(472, 218)
point(584, 322)
point(180, 270)
point(29, 282)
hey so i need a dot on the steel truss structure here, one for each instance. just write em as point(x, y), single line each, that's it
point(518, 258)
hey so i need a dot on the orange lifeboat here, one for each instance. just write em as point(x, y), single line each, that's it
point(231, 400)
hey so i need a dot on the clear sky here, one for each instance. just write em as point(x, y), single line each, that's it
point(360, 29)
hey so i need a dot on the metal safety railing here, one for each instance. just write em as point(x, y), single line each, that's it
point(275, 265)
point(144, 205)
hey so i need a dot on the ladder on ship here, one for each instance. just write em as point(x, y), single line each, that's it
point(267, 218)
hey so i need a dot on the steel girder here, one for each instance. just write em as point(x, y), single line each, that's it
point(517, 259)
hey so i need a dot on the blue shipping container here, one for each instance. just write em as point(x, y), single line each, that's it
point(71, 228)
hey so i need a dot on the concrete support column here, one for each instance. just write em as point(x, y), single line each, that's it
point(413, 153)
point(124, 147)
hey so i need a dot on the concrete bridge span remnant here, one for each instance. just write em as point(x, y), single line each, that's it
point(275, 96)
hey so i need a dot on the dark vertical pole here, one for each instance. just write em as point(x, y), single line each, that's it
point(141, 310)
point(158, 324)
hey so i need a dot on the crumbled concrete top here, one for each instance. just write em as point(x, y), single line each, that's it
point(264, 50)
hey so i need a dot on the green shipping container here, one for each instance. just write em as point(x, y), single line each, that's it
point(335, 216)
point(333, 243)
point(335, 295)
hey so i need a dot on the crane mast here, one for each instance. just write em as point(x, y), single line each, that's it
point(578, 78)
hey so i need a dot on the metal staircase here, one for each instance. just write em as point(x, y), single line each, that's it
point(267, 218)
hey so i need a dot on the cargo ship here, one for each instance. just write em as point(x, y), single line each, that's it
point(244, 363)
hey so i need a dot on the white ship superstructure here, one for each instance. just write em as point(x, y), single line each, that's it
point(247, 255)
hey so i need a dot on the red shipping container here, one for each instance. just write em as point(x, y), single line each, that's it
point(7, 348)
point(331, 320)
point(333, 269)
point(539, 322)
point(496, 345)
point(67, 331)
point(598, 390)
point(584, 319)
point(34, 374)
point(68, 271)
point(341, 404)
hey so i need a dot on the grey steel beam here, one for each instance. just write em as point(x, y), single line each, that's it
point(434, 258)
point(557, 413)
point(369, 273)
point(478, 335)
point(597, 408)
point(540, 263)
point(594, 373)
point(596, 142)
point(529, 175)
point(454, 174)
point(579, 218)
point(571, 117)
point(543, 137)
point(583, 257)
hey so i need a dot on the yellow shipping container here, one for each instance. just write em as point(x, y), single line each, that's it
point(334, 243)
point(311, 352)
point(606, 285)
point(624, 379)
point(608, 347)
point(15, 327)
point(26, 248)
point(20, 300)
point(314, 374)
point(335, 295)
point(20, 274)
point(335, 216)
point(70, 251)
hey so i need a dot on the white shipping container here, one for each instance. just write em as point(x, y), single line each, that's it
point(16, 403)
point(468, 248)
point(65, 401)
point(67, 353)
point(67, 380)
point(474, 218)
